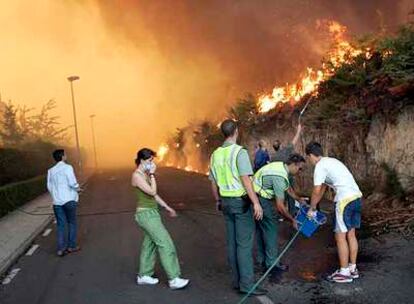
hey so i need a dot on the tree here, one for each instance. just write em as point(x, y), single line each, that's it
point(245, 110)
point(44, 126)
point(10, 132)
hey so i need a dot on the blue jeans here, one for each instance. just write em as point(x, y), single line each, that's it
point(66, 214)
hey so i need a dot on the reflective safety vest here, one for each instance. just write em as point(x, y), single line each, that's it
point(272, 169)
point(223, 164)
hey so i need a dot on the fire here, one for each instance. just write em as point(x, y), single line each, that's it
point(189, 168)
point(162, 151)
point(341, 52)
point(308, 84)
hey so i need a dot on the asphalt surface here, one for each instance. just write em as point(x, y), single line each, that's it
point(104, 270)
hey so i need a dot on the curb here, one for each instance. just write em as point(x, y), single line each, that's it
point(24, 246)
point(14, 257)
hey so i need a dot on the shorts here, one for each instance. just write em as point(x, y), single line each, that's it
point(348, 217)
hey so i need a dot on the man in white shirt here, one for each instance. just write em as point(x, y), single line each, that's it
point(334, 174)
point(64, 188)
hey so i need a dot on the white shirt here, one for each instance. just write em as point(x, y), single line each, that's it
point(62, 184)
point(336, 175)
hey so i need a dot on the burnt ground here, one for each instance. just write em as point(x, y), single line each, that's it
point(104, 271)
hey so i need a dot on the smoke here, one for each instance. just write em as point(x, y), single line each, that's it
point(255, 44)
point(147, 67)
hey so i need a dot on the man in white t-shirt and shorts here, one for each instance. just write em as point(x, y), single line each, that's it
point(333, 173)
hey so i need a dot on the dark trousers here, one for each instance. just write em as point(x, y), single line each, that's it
point(239, 222)
point(66, 216)
point(267, 234)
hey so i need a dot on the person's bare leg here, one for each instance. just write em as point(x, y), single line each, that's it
point(353, 246)
point(343, 249)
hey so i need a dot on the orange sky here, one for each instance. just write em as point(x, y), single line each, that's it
point(44, 41)
point(141, 74)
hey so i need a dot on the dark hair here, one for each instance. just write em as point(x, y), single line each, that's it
point(295, 158)
point(58, 155)
point(276, 145)
point(228, 127)
point(144, 154)
point(314, 148)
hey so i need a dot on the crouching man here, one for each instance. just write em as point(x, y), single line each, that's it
point(271, 183)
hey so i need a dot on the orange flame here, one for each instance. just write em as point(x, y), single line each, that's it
point(341, 52)
point(162, 151)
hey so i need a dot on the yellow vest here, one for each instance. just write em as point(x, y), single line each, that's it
point(272, 169)
point(223, 164)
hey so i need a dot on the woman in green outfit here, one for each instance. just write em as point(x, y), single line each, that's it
point(156, 237)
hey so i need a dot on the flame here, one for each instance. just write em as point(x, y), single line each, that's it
point(341, 52)
point(190, 169)
point(162, 151)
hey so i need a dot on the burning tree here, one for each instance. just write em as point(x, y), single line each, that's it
point(341, 52)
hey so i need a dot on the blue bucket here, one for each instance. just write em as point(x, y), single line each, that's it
point(308, 226)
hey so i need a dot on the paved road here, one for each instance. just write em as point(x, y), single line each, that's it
point(104, 271)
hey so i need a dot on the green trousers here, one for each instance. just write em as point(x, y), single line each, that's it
point(266, 234)
point(156, 237)
point(239, 222)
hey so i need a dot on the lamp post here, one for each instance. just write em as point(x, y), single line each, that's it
point(94, 141)
point(71, 79)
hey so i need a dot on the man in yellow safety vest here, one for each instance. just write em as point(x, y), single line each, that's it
point(230, 171)
point(271, 183)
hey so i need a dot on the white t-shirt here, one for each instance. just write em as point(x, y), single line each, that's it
point(336, 175)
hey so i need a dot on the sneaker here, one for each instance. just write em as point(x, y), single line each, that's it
point(338, 277)
point(74, 249)
point(355, 274)
point(147, 280)
point(178, 283)
point(61, 253)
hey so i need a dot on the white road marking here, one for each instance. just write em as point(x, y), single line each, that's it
point(10, 276)
point(265, 300)
point(32, 249)
point(47, 232)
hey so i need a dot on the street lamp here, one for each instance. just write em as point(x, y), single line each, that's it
point(94, 141)
point(71, 80)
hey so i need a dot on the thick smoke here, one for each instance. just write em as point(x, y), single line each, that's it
point(252, 44)
point(149, 66)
